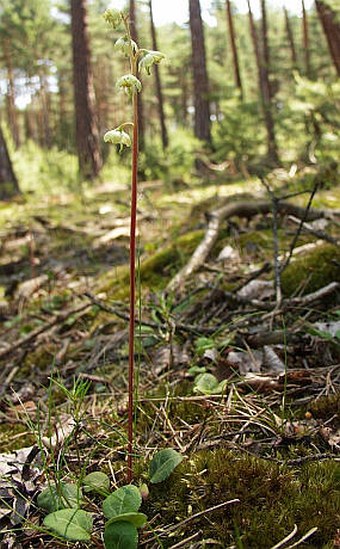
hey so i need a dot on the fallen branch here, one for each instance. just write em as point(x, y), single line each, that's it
point(240, 209)
point(44, 328)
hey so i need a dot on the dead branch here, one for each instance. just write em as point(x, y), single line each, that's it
point(41, 329)
point(241, 209)
point(306, 227)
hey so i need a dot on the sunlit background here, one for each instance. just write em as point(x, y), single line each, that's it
point(177, 10)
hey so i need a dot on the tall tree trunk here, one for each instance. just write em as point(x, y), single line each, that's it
point(87, 135)
point(134, 35)
point(290, 39)
point(45, 112)
point(9, 186)
point(305, 29)
point(164, 133)
point(201, 85)
point(264, 84)
point(237, 73)
point(331, 27)
point(11, 110)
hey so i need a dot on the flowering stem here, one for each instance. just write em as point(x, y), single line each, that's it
point(140, 59)
point(133, 221)
point(133, 218)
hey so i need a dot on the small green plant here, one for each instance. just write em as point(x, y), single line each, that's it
point(139, 60)
point(66, 519)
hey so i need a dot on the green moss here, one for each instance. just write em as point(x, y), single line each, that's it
point(327, 407)
point(14, 436)
point(272, 499)
point(157, 270)
point(314, 270)
point(41, 358)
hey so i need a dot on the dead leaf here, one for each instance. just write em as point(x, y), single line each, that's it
point(261, 383)
point(245, 362)
point(257, 289)
point(229, 254)
point(62, 431)
point(118, 232)
point(271, 361)
point(170, 356)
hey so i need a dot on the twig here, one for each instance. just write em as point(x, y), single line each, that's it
point(38, 331)
point(286, 539)
point(277, 270)
point(185, 541)
point(170, 529)
point(179, 327)
point(314, 296)
point(201, 514)
point(242, 209)
point(299, 229)
point(316, 232)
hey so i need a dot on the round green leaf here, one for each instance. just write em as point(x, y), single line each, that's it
point(58, 497)
point(73, 524)
point(120, 535)
point(126, 499)
point(96, 482)
point(163, 463)
point(137, 519)
point(207, 384)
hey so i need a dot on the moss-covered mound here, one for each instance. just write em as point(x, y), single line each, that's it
point(312, 271)
point(272, 499)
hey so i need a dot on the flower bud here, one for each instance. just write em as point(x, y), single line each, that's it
point(150, 57)
point(113, 17)
point(118, 137)
point(126, 45)
point(129, 84)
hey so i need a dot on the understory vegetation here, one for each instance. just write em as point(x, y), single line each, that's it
point(227, 432)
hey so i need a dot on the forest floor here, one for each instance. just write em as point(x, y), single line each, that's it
point(238, 359)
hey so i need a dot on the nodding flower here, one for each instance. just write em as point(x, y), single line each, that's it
point(113, 17)
point(129, 84)
point(150, 58)
point(126, 45)
point(118, 137)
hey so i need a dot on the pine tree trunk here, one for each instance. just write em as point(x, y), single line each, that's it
point(87, 135)
point(291, 41)
point(11, 110)
point(45, 112)
point(264, 84)
point(9, 186)
point(237, 73)
point(306, 47)
point(201, 86)
point(331, 27)
point(164, 133)
point(134, 35)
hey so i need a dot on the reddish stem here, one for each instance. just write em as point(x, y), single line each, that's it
point(133, 219)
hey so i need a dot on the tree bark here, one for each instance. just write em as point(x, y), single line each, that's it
point(264, 84)
point(291, 39)
point(46, 136)
point(164, 133)
point(11, 110)
point(9, 186)
point(331, 27)
point(305, 29)
point(87, 135)
point(134, 36)
point(200, 74)
point(237, 73)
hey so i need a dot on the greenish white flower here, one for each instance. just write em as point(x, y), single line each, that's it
point(118, 137)
point(129, 84)
point(126, 45)
point(113, 17)
point(150, 58)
